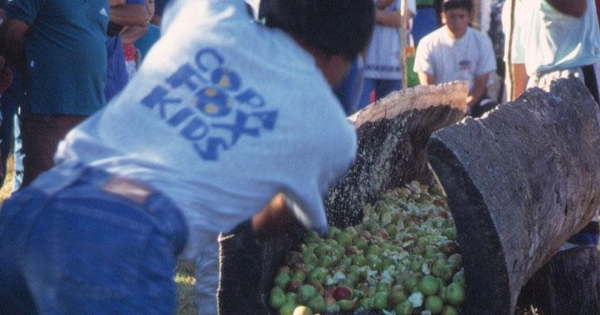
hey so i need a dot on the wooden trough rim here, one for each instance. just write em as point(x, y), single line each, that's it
point(455, 95)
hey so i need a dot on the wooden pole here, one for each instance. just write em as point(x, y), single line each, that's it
point(403, 41)
point(510, 78)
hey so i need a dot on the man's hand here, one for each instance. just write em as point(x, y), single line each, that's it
point(274, 218)
point(519, 80)
point(132, 33)
point(130, 14)
point(479, 89)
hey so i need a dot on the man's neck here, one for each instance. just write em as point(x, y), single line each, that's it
point(456, 35)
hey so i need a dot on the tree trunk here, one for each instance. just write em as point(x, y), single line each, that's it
point(520, 182)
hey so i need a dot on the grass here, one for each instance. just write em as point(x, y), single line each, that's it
point(7, 185)
point(184, 277)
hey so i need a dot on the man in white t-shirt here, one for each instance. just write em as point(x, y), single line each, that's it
point(552, 39)
point(456, 51)
point(231, 118)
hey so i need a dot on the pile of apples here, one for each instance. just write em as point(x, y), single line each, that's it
point(402, 259)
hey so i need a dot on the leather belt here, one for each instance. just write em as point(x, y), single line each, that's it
point(128, 189)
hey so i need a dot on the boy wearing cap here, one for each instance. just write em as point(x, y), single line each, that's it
point(456, 51)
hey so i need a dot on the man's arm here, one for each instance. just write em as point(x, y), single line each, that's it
point(387, 18)
point(426, 78)
point(273, 218)
point(390, 18)
point(132, 33)
point(130, 14)
point(574, 8)
point(519, 79)
point(114, 3)
point(479, 89)
point(12, 42)
point(382, 4)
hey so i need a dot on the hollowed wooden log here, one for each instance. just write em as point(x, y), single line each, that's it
point(392, 136)
point(520, 181)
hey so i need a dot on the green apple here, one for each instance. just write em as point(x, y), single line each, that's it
point(411, 284)
point(317, 275)
point(366, 303)
point(287, 308)
point(404, 308)
point(455, 294)
point(429, 285)
point(317, 304)
point(305, 293)
point(299, 272)
point(277, 297)
point(344, 239)
point(397, 295)
point(282, 279)
point(380, 300)
point(449, 310)
point(434, 304)
point(347, 305)
point(459, 277)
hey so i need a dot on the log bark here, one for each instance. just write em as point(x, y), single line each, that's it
point(568, 284)
point(520, 181)
point(392, 135)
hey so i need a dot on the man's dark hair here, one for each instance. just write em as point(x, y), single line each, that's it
point(457, 4)
point(335, 27)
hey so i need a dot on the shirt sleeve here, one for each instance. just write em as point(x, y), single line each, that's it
point(412, 6)
point(422, 57)
point(25, 11)
point(516, 44)
point(487, 62)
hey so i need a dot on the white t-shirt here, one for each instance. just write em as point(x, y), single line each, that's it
point(223, 114)
point(382, 59)
point(451, 59)
point(547, 40)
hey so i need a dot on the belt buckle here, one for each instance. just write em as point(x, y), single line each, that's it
point(127, 188)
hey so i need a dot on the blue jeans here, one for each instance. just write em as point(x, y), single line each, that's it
point(77, 241)
point(381, 88)
point(349, 91)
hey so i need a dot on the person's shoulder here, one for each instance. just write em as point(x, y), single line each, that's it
point(433, 37)
point(477, 33)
